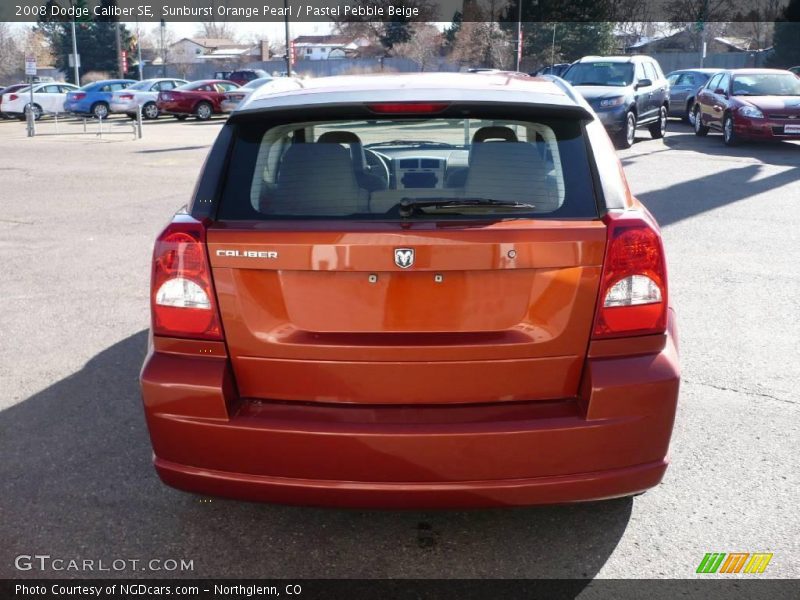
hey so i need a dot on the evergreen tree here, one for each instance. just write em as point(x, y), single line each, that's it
point(451, 32)
point(96, 41)
point(787, 37)
point(582, 27)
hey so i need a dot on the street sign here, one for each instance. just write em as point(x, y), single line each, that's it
point(30, 65)
point(124, 62)
point(72, 62)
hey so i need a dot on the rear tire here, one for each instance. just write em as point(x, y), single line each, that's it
point(100, 110)
point(203, 111)
point(700, 130)
point(659, 128)
point(625, 138)
point(37, 112)
point(688, 116)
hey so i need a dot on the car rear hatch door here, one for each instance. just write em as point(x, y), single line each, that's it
point(396, 313)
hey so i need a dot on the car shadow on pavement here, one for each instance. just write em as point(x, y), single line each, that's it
point(175, 149)
point(742, 180)
point(78, 483)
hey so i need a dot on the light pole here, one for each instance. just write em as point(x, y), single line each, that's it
point(75, 53)
point(519, 34)
point(138, 48)
point(286, 34)
point(163, 51)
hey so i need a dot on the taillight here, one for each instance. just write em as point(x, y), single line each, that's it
point(633, 287)
point(182, 294)
point(400, 108)
point(12, 96)
point(126, 96)
point(78, 96)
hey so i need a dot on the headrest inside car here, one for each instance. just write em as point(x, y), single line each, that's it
point(483, 134)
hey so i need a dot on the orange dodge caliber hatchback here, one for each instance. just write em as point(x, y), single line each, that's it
point(412, 291)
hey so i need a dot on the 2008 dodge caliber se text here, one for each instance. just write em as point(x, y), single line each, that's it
point(412, 291)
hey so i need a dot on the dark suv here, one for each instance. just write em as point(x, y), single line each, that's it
point(247, 75)
point(626, 92)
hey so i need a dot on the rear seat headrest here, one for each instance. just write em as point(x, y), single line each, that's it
point(338, 137)
point(494, 132)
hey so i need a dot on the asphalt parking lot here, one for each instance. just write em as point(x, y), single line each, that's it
point(79, 216)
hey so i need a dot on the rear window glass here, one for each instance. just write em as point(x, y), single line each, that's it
point(392, 168)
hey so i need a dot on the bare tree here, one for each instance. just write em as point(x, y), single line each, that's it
point(388, 33)
point(219, 30)
point(424, 45)
point(481, 42)
point(36, 44)
point(758, 23)
point(11, 65)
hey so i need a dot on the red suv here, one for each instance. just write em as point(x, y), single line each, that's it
point(750, 104)
point(441, 297)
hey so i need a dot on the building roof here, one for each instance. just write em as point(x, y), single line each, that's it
point(322, 40)
point(737, 43)
point(209, 43)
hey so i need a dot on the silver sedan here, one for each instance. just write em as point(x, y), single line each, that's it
point(142, 95)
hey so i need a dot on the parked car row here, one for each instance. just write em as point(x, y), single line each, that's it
point(629, 92)
point(154, 97)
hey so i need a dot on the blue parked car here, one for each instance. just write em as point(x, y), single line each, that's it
point(94, 98)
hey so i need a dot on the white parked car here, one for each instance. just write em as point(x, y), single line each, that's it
point(48, 98)
point(143, 94)
point(237, 97)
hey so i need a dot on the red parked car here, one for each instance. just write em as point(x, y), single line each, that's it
point(444, 299)
point(749, 104)
point(199, 98)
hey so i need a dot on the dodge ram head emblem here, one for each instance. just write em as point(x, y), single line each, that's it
point(404, 257)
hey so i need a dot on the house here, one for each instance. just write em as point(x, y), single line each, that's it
point(327, 47)
point(192, 50)
point(687, 40)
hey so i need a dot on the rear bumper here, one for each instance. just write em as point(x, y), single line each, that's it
point(610, 441)
point(462, 494)
point(123, 107)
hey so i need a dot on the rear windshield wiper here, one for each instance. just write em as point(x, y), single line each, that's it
point(408, 206)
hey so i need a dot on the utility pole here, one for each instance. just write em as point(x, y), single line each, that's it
point(286, 34)
point(519, 34)
point(75, 60)
point(139, 48)
point(163, 51)
point(703, 33)
point(118, 38)
point(553, 47)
